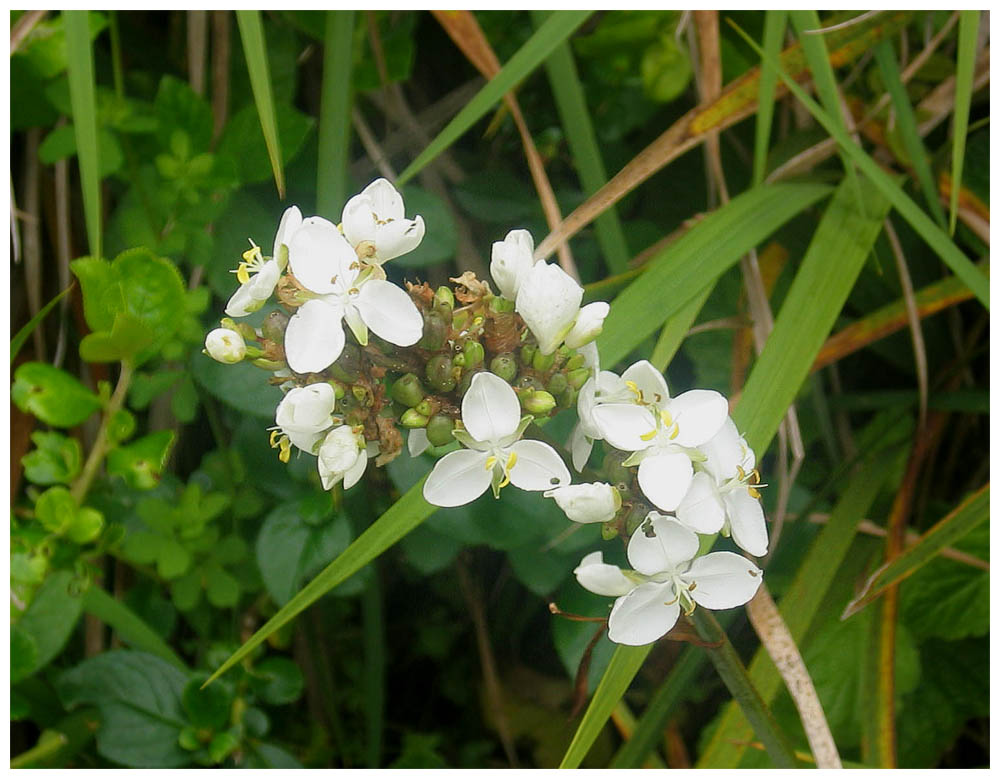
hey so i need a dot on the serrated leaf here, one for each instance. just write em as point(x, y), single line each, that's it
point(52, 395)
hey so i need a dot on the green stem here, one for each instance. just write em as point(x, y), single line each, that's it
point(335, 115)
point(100, 449)
point(49, 743)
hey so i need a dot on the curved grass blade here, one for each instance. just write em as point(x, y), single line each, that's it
point(335, 115)
point(936, 238)
point(404, 515)
point(699, 257)
point(128, 625)
point(624, 665)
point(255, 49)
point(676, 329)
point(774, 32)
point(968, 32)
point(951, 528)
point(554, 31)
point(83, 100)
point(22, 335)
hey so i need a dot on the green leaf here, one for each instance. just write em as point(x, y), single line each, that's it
point(277, 680)
point(243, 142)
point(80, 69)
point(141, 462)
point(292, 547)
point(554, 31)
point(406, 513)
point(266, 755)
point(207, 707)
point(129, 627)
point(127, 337)
point(774, 33)
point(179, 107)
point(252, 34)
point(86, 526)
point(221, 588)
point(55, 509)
point(52, 395)
point(139, 698)
point(335, 114)
point(241, 386)
point(438, 244)
point(57, 459)
point(61, 143)
point(52, 615)
point(22, 335)
point(968, 33)
point(23, 654)
point(697, 258)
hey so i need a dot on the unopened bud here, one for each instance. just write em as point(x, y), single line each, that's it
point(567, 398)
point(427, 407)
point(528, 353)
point(435, 330)
point(439, 373)
point(408, 390)
point(411, 419)
point(557, 383)
point(542, 362)
point(504, 366)
point(474, 353)
point(444, 298)
point(225, 346)
point(537, 402)
point(578, 377)
point(439, 430)
point(575, 360)
point(273, 327)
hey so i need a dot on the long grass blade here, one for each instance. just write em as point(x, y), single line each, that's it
point(83, 100)
point(571, 102)
point(676, 329)
point(774, 32)
point(968, 32)
point(335, 115)
point(701, 255)
point(255, 49)
point(936, 238)
point(968, 514)
point(405, 514)
point(25, 332)
point(554, 31)
point(906, 120)
point(128, 625)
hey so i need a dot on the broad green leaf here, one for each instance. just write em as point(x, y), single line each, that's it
point(129, 627)
point(23, 654)
point(179, 107)
point(440, 243)
point(141, 462)
point(681, 271)
point(675, 330)
point(56, 460)
point(52, 615)
point(22, 335)
point(86, 526)
point(207, 707)
point(968, 31)
point(554, 31)
point(335, 115)
point(139, 698)
point(277, 680)
point(126, 339)
point(55, 509)
point(406, 513)
point(241, 386)
point(264, 755)
point(52, 395)
point(255, 49)
point(244, 143)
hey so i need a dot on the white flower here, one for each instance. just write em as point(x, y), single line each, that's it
point(326, 266)
point(585, 432)
point(417, 442)
point(375, 223)
point(548, 301)
point(662, 431)
point(596, 502)
point(302, 417)
point(724, 495)
point(225, 345)
point(511, 259)
point(494, 455)
point(589, 324)
point(665, 579)
point(255, 290)
point(343, 455)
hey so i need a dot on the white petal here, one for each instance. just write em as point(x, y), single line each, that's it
point(596, 502)
point(580, 447)
point(648, 381)
point(352, 318)
point(417, 442)
point(490, 409)
point(548, 300)
point(625, 426)
point(398, 237)
point(242, 302)
point(307, 441)
point(588, 325)
point(510, 261)
point(746, 521)
point(699, 415)
point(538, 467)
point(291, 221)
point(314, 337)
point(586, 402)
point(702, 509)
point(725, 451)
point(644, 615)
point(600, 578)
point(723, 580)
point(353, 474)
point(306, 409)
point(386, 202)
point(320, 257)
point(390, 312)
point(458, 478)
point(358, 220)
point(665, 478)
point(669, 548)
point(261, 285)
point(591, 357)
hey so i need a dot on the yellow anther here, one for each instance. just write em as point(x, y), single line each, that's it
point(670, 602)
point(755, 476)
point(285, 452)
point(754, 493)
point(241, 273)
point(676, 432)
point(275, 435)
point(511, 461)
point(634, 388)
point(253, 254)
point(648, 436)
point(490, 462)
point(741, 473)
point(666, 418)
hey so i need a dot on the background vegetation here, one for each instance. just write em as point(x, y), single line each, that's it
point(820, 260)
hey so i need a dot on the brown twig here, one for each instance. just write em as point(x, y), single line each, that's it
point(23, 27)
point(220, 71)
point(197, 45)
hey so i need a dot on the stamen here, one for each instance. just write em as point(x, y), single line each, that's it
point(665, 417)
point(286, 450)
point(241, 273)
point(675, 433)
point(648, 436)
point(275, 435)
point(634, 388)
point(490, 462)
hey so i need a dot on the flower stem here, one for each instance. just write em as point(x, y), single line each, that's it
point(96, 456)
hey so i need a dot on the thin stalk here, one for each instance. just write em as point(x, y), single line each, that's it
point(96, 456)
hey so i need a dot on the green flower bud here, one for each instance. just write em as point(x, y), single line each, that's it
point(501, 305)
point(274, 326)
point(411, 419)
point(439, 430)
point(537, 402)
point(542, 362)
point(528, 353)
point(435, 331)
point(444, 298)
point(474, 353)
point(504, 366)
point(426, 408)
point(439, 373)
point(614, 470)
point(460, 319)
point(458, 360)
point(339, 389)
point(567, 398)
point(609, 530)
point(578, 377)
point(575, 361)
point(557, 383)
point(408, 390)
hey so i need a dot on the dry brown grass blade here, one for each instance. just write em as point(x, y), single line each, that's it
point(220, 71)
point(912, 318)
point(465, 31)
point(737, 101)
point(23, 27)
point(778, 641)
point(197, 49)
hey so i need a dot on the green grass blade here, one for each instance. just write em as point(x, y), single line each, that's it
point(128, 625)
point(25, 332)
point(906, 120)
point(935, 237)
point(968, 32)
point(676, 329)
point(774, 33)
point(836, 254)
point(404, 515)
point(335, 115)
point(624, 665)
point(946, 532)
point(681, 270)
point(571, 102)
point(255, 50)
point(539, 46)
point(83, 100)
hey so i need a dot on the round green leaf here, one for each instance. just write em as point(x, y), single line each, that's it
point(55, 509)
point(277, 680)
point(57, 459)
point(86, 526)
point(52, 395)
point(23, 654)
point(208, 707)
